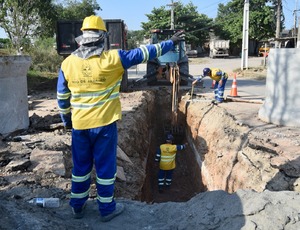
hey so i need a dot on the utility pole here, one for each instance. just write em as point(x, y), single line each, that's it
point(244, 63)
point(298, 42)
point(278, 23)
point(172, 5)
point(295, 22)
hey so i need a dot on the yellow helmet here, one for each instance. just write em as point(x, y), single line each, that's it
point(93, 23)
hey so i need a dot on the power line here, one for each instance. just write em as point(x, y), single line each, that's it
point(214, 4)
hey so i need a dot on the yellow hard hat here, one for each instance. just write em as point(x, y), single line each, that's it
point(93, 23)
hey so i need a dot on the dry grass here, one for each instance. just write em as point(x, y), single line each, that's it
point(197, 61)
point(258, 73)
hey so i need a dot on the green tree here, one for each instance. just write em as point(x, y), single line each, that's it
point(76, 10)
point(25, 20)
point(185, 17)
point(22, 19)
point(229, 21)
point(134, 38)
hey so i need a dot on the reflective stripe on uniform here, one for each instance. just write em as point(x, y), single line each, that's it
point(158, 50)
point(81, 178)
point(80, 195)
point(96, 94)
point(161, 181)
point(145, 53)
point(106, 181)
point(65, 111)
point(105, 199)
point(63, 96)
point(99, 103)
point(167, 158)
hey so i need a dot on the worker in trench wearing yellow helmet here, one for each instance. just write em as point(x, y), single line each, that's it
point(89, 103)
point(166, 156)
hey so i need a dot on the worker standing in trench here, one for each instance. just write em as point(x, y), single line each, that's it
point(166, 156)
point(88, 100)
point(220, 78)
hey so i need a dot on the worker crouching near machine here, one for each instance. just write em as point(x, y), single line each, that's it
point(166, 156)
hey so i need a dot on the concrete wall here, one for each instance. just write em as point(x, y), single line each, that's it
point(13, 93)
point(282, 103)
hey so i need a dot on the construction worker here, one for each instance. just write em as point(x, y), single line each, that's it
point(88, 99)
point(166, 155)
point(220, 79)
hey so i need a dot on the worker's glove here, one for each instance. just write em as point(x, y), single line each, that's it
point(178, 36)
point(198, 79)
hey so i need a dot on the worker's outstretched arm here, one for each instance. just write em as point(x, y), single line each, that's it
point(148, 52)
point(181, 147)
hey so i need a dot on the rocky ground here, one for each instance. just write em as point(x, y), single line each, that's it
point(237, 172)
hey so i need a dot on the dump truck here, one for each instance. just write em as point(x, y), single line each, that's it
point(68, 30)
point(158, 69)
point(219, 48)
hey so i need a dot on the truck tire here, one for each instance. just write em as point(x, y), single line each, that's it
point(151, 69)
point(184, 69)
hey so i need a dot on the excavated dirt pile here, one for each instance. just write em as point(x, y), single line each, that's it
point(225, 152)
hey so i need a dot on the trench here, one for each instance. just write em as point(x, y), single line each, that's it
point(186, 180)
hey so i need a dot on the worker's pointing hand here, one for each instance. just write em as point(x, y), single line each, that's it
point(178, 36)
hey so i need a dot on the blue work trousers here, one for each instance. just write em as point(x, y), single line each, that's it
point(219, 90)
point(165, 178)
point(94, 146)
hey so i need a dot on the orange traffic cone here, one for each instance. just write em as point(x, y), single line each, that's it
point(233, 92)
point(213, 84)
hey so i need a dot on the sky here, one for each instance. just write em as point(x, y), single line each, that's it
point(133, 11)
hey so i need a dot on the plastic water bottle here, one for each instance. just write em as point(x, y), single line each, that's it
point(46, 202)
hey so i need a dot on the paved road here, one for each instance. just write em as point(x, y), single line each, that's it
point(247, 88)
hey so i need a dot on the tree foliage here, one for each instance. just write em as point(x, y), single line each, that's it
point(134, 38)
point(185, 17)
point(229, 20)
point(22, 20)
point(25, 20)
point(76, 10)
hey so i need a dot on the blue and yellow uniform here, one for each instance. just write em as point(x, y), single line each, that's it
point(219, 76)
point(89, 102)
point(220, 79)
point(166, 155)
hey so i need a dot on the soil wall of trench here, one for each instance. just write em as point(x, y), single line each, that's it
point(222, 154)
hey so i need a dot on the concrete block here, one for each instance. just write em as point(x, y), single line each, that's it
point(13, 93)
point(282, 104)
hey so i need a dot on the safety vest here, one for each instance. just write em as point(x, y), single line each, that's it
point(94, 84)
point(168, 155)
point(216, 74)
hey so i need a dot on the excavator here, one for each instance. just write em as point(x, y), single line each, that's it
point(172, 69)
point(158, 69)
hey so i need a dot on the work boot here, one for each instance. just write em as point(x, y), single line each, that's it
point(168, 187)
point(119, 209)
point(160, 189)
point(216, 102)
point(78, 213)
